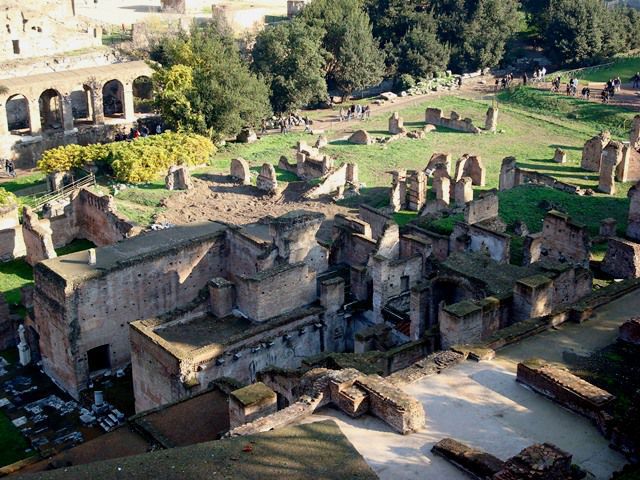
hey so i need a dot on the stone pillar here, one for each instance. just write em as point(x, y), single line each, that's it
point(67, 113)
point(221, 297)
point(442, 187)
point(34, 117)
point(491, 122)
point(4, 127)
point(251, 403)
point(634, 138)
point(463, 191)
point(611, 157)
point(127, 102)
point(97, 106)
point(560, 156)
point(419, 310)
point(23, 348)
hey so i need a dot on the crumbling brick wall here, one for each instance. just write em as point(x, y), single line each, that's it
point(561, 240)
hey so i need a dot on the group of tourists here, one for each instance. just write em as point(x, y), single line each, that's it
point(505, 82)
point(136, 132)
point(636, 80)
point(357, 111)
point(9, 167)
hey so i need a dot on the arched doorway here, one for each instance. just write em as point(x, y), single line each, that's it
point(50, 103)
point(81, 105)
point(17, 108)
point(142, 94)
point(113, 99)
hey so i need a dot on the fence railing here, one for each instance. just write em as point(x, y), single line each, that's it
point(38, 201)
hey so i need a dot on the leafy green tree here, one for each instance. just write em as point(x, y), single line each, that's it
point(289, 56)
point(353, 58)
point(221, 97)
point(420, 52)
point(575, 32)
point(360, 60)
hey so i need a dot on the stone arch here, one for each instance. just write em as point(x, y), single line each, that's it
point(113, 98)
point(142, 94)
point(50, 103)
point(81, 104)
point(17, 111)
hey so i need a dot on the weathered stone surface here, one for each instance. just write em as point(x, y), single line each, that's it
point(491, 121)
point(508, 174)
point(37, 238)
point(485, 207)
point(538, 462)
point(622, 259)
point(634, 137)
point(240, 171)
point(611, 157)
point(247, 135)
point(470, 166)
point(565, 388)
point(433, 116)
point(249, 403)
point(476, 462)
point(178, 178)
point(442, 189)
point(592, 151)
point(361, 137)
point(630, 331)
point(633, 227)
point(267, 181)
point(463, 191)
point(560, 156)
point(396, 124)
point(439, 159)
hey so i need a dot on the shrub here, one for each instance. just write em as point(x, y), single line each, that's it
point(7, 198)
point(405, 82)
point(136, 161)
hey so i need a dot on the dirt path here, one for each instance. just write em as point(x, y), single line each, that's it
point(215, 198)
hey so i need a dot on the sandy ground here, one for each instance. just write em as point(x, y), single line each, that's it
point(216, 198)
point(482, 405)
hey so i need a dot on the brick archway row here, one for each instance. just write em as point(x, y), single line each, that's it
point(64, 83)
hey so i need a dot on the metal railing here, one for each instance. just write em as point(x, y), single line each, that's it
point(38, 201)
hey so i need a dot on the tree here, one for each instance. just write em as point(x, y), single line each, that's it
point(353, 59)
point(420, 53)
point(575, 30)
point(360, 61)
point(485, 37)
point(221, 96)
point(289, 56)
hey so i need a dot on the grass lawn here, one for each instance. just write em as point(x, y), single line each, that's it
point(16, 274)
point(625, 68)
point(25, 181)
point(12, 443)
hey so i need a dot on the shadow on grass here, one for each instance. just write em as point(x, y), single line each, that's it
point(551, 166)
point(566, 147)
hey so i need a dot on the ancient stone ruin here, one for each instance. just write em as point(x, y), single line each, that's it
point(463, 191)
point(491, 122)
point(472, 167)
point(239, 171)
point(360, 137)
point(611, 158)
point(247, 135)
point(267, 180)
point(433, 116)
point(408, 190)
point(592, 152)
point(396, 124)
point(178, 178)
point(560, 156)
point(633, 228)
point(37, 238)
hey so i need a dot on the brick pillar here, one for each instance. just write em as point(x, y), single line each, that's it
point(4, 127)
point(128, 102)
point(67, 113)
point(34, 117)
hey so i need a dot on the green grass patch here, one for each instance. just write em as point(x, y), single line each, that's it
point(523, 203)
point(596, 115)
point(12, 443)
point(17, 273)
point(403, 217)
point(24, 181)
point(625, 68)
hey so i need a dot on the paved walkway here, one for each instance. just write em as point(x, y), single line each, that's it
point(481, 404)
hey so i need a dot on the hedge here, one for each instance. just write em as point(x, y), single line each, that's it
point(137, 161)
point(7, 198)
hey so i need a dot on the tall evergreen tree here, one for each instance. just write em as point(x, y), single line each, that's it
point(289, 56)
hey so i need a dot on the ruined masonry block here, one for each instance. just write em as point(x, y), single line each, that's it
point(396, 124)
point(267, 181)
point(221, 297)
point(633, 228)
point(491, 121)
point(611, 157)
point(560, 156)
point(178, 178)
point(608, 227)
point(622, 259)
point(250, 403)
point(592, 152)
point(463, 191)
point(477, 462)
point(565, 388)
point(442, 189)
point(240, 171)
point(361, 137)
